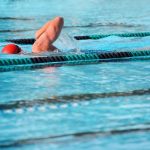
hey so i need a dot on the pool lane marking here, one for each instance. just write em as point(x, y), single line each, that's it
point(65, 101)
point(17, 18)
point(9, 64)
point(84, 37)
point(125, 35)
point(14, 31)
point(74, 58)
point(141, 128)
point(70, 63)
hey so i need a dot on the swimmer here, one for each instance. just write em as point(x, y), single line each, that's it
point(45, 37)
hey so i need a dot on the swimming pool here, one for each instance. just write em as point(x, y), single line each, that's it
point(100, 106)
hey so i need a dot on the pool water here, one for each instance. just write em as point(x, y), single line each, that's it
point(101, 106)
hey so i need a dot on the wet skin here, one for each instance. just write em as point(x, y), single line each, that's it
point(47, 34)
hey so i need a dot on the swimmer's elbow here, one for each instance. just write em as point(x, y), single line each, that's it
point(60, 19)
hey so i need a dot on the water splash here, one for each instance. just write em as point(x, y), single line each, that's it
point(67, 43)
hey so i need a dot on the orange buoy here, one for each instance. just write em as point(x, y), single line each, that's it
point(11, 49)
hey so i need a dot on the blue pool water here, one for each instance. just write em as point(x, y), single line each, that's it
point(102, 106)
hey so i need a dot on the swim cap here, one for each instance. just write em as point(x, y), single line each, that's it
point(11, 49)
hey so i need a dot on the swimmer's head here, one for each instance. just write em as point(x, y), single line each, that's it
point(11, 49)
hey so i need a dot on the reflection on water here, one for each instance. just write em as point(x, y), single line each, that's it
point(104, 122)
point(81, 18)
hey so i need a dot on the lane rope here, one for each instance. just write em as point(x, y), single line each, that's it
point(35, 62)
point(86, 37)
point(99, 36)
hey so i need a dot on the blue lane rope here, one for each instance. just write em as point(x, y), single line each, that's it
point(35, 62)
point(86, 37)
point(99, 36)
